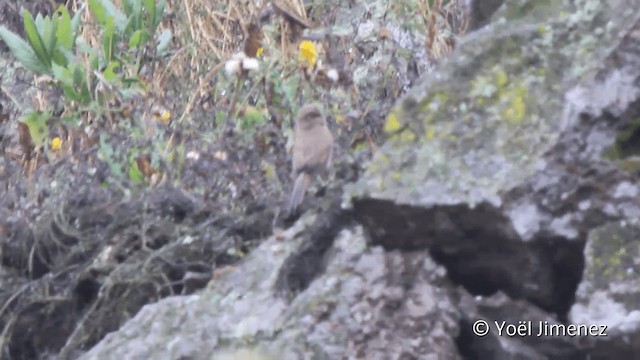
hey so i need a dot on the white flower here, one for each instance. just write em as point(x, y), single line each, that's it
point(193, 155)
point(232, 67)
point(250, 64)
point(239, 56)
point(332, 74)
point(239, 63)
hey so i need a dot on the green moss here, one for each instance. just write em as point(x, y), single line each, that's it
point(393, 124)
point(431, 132)
point(441, 96)
point(502, 94)
point(514, 105)
point(542, 29)
point(405, 136)
point(501, 78)
point(610, 256)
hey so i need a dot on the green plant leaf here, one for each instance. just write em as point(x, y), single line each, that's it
point(134, 13)
point(130, 81)
point(138, 39)
point(82, 47)
point(98, 11)
point(94, 61)
point(133, 24)
point(111, 12)
point(75, 22)
point(93, 53)
point(290, 89)
point(71, 86)
point(23, 51)
point(71, 93)
point(105, 148)
point(85, 94)
point(62, 74)
point(62, 56)
point(109, 73)
point(80, 83)
point(253, 118)
point(71, 120)
point(34, 39)
point(221, 117)
point(79, 75)
point(150, 6)
point(163, 41)
point(109, 40)
point(127, 6)
point(64, 32)
point(47, 30)
point(135, 174)
point(107, 153)
point(37, 124)
point(159, 13)
point(134, 41)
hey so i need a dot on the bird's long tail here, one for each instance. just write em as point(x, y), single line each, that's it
point(299, 189)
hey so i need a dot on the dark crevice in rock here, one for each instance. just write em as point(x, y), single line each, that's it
point(480, 249)
point(407, 228)
point(309, 261)
point(628, 138)
point(477, 277)
point(86, 292)
point(480, 12)
point(565, 264)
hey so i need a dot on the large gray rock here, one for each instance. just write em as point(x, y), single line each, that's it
point(609, 292)
point(501, 166)
point(361, 305)
point(502, 162)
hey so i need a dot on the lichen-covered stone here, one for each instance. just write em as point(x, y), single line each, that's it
point(360, 305)
point(466, 136)
point(610, 290)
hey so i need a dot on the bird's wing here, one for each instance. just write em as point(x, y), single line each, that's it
point(311, 157)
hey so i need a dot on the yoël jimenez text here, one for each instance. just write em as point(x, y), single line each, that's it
point(544, 328)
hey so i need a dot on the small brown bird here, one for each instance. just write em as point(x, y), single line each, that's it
point(312, 152)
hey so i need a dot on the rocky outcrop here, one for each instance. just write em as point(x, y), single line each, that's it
point(507, 193)
point(504, 163)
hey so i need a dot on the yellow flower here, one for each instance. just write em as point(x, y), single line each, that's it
point(308, 52)
point(56, 143)
point(259, 52)
point(163, 116)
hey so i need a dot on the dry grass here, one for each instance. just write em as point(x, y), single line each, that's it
point(209, 35)
point(441, 25)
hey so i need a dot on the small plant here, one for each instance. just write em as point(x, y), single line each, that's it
point(50, 40)
point(37, 124)
point(92, 78)
point(52, 46)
